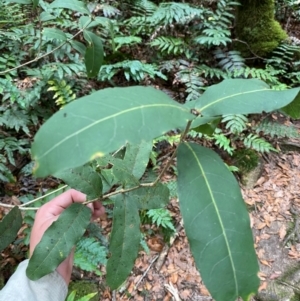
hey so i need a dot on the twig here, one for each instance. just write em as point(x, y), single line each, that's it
point(43, 196)
point(165, 250)
point(173, 291)
point(107, 196)
point(147, 270)
point(249, 48)
point(114, 295)
point(21, 208)
point(48, 53)
point(296, 227)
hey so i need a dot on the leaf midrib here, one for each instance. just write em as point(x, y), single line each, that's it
point(104, 119)
point(218, 215)
point(229, 96)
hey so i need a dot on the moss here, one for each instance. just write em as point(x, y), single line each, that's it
point(83, 288)
point(256, 25)
point(246, 160)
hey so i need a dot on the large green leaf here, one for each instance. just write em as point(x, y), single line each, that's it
point(216, 223)
point(93, 57)
point(242, 96)
point(78, 6)
point(293, 109)
point(9, 227)
point(102, 122)
point(58, 241)
point(124, 241)
point(84, 179)
point(137, 157)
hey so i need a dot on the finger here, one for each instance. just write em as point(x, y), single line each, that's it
point(63, 201)
point(98, 210)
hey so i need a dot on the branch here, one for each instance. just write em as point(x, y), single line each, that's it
point(48, 53)
point(21, 208)
point(43, 196)
point(249, 48)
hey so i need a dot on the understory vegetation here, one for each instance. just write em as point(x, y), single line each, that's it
point(73, 62)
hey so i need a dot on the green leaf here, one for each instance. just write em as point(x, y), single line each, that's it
point(121, 173)
point(53, 33)
point(9, 227)
point(74, 5)
point(150, 197)
point(217, 224)
point(124, 241)
point(243, 96)
point(208, 128)
point(20, 1)
point(293, 109)
point(94, 53)
point(84, 179)
point(71, 297)
point(137, 157)
point(35, 3)
point(58, 241)
point(87, 297)
point(201, 120)
point(102, 122)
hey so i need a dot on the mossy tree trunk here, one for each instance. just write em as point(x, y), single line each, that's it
point(256, 26)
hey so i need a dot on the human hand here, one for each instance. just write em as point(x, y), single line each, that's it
point(49, 213)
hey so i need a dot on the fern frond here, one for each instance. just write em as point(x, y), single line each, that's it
point(235, 123)
point(258, 144)
point(213, 37)
point(89, 255)
point(143, 8)
point(276, 129)
point(230, 60)
point(191, 78)
point(223, 142)
point(175, 13)
point(109, 11)
point(162, 218)
point(135, 70)
point(129, 40)
point(269, 75)
point(169, 45)
point(63, 92)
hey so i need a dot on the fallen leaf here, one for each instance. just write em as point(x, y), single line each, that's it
point(263, 286)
